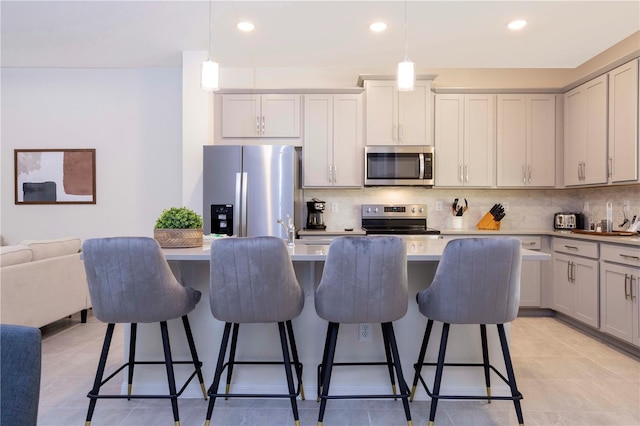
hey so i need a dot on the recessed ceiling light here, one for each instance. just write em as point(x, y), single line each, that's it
point(377, 27)
point(518, 24)
point(245, 26)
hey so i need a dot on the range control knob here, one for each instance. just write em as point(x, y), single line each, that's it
point(421, 210)
point(375, 210)
point(413, 209)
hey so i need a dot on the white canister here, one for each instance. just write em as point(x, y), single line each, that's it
point(456, 222)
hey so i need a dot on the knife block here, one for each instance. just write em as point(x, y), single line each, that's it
point(488, 223)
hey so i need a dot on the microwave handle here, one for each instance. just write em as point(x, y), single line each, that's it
point(421, 156)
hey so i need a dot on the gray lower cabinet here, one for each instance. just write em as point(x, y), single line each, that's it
point(619, 288)
point(575, 280)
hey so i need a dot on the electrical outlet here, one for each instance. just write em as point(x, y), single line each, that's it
point(438, 206)
point(586, 207)
point(505, 206)
point(334, 207)
point(364, 333)
point(626, 206)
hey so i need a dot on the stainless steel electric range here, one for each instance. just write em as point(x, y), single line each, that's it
point(396, 219)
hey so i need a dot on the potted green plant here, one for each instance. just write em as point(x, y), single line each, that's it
point(178, 227)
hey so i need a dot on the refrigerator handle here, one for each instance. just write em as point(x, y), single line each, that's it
point(243, 199)
point(237, 206)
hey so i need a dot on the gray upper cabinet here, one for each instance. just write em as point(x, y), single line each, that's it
point(261, 116)
point(526, 140)
point(398, 118)
point(623, 123)
point(585, 133)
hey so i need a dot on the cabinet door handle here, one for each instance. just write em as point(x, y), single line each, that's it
point(626, 294)
point(529, 172)
point(329, 174)
point(569, 273)
point(335, 174)
point(461, 175)
point(631, 287)
point(579, 171)
point(571, 247)
point(394, 134)
point(258, 125)
point(626, 256)
point(610, 167)
point(263, 125)
point(573, 272)
point(401, 133)
point(524, 174)
point(466, 173)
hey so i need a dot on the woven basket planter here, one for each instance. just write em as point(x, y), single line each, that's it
point(178, 238)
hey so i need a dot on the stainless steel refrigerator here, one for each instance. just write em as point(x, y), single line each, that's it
point(246, 189)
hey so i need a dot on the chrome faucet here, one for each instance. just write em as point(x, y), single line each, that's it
point(289, 229)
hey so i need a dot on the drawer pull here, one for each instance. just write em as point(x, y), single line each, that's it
point(571, 247)
point(626, 256)
point(530, 243)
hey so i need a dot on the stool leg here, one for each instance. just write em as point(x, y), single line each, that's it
point(232, 357)
point(404, 389)
point(287, 368)
point(216, 377)
point(332, 337)
point(100, 372)
point(325, 352)
point(439, 368)
point(423, 350)
point(132, 357)
point(170, 376)
point(485, 360)
point(296, 359)
point(510, 375)
point(387, 351)
point(194, 354)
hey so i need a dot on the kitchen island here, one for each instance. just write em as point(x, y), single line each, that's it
point(261, 342)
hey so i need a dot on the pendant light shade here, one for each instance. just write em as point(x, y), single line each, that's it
point(210, 70)
point(209, 76)
point(406, 77)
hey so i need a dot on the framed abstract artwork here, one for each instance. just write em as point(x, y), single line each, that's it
point(55, 176)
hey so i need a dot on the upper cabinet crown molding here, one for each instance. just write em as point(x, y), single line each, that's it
point(464, 91)
point(303, 91)
point(364, 77)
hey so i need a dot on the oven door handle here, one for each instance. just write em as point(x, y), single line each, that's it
point(421, 156)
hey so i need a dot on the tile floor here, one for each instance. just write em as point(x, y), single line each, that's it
point(566, 377)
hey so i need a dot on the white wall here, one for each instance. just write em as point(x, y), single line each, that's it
point(132, 117)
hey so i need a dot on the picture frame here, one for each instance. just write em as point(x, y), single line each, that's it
point(55, 176)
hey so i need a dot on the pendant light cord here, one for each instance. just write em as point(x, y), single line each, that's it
point(210, 31)
point(406, 39)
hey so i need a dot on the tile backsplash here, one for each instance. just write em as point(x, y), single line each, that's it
point(528, 208)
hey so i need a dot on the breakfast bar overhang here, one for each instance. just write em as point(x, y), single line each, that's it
point(191, 266)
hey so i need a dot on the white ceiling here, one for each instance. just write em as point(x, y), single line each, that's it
point(442, 34)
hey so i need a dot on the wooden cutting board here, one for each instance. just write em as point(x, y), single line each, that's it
point(607, 234)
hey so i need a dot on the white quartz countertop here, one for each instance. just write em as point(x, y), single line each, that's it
point(628, 240)
point(418, 249)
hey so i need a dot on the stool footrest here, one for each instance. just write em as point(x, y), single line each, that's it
point(125, 365)
point(482, 397)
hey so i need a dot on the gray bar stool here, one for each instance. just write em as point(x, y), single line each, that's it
point(477, 282)
point(364, 281)
point(130, 282)
point(253, 281)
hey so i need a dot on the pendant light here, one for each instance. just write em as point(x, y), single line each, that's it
point(406, 71)
point(210, 69)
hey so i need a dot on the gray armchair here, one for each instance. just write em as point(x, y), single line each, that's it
point(20, 358)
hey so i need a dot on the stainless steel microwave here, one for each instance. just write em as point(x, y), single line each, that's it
point(398, 165)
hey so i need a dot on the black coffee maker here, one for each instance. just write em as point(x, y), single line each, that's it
point(315, 219)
